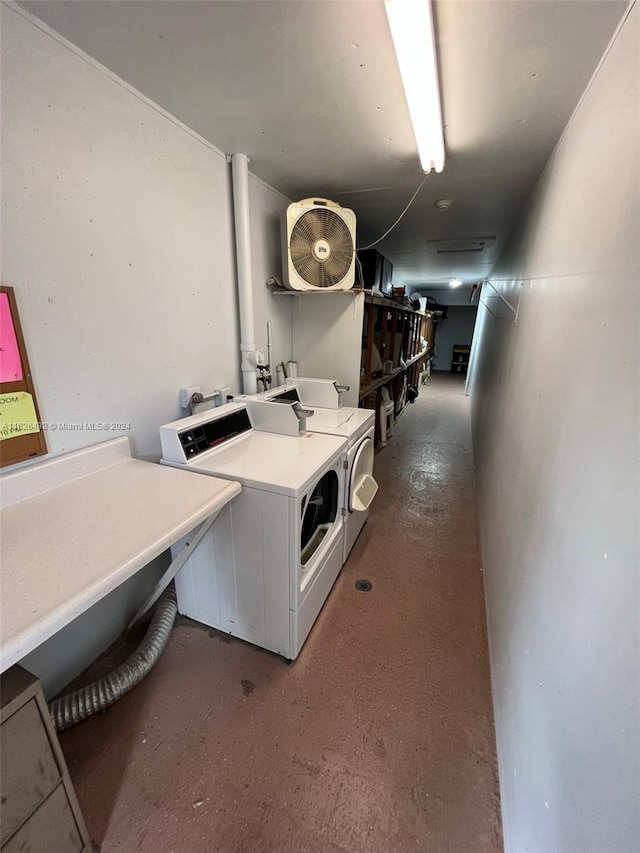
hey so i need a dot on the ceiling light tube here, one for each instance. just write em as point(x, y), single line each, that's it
point(411, 24)
point(455, 282)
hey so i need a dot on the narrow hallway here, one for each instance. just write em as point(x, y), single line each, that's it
point(378, 739)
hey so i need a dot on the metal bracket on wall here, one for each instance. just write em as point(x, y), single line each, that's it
point(501, 298)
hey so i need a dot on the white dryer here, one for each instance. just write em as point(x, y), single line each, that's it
point(267, 565)
point(357, 426)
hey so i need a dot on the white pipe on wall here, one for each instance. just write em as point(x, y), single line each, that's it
point(240, 177)
point(269, 362)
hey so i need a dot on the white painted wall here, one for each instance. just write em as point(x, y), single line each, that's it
point(327, 337)
point(117, 235)
point(555, 401)
point(266, 206)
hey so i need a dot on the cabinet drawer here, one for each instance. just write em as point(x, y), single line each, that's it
point(29, 768)
point(51, 829)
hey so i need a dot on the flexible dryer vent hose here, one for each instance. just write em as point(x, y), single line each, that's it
point(74, 707)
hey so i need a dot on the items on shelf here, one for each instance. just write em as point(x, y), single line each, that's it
point(397, 344)
point(387, 415)
point(376, 271)
point(438, 312)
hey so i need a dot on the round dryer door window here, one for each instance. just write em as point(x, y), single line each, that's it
point(362, 486)
point(319, 514)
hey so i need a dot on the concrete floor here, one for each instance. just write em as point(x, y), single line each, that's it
point(378, 739)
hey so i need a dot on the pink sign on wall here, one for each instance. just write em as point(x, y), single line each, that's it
point(10, 364)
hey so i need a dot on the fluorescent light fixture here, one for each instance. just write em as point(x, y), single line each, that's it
point(455, 282)
point(411, 23)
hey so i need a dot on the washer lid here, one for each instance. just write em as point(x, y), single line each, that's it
point(349, 422)
point(274, 463)
point(362, 486)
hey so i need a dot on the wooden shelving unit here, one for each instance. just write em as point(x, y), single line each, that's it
point(393, 351)
point(351, 338)
point(365, 390)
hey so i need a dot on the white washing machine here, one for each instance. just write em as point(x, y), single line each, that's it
point(357, 426)
point(265, 568)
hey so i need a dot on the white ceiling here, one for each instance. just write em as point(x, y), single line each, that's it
point(310, 91)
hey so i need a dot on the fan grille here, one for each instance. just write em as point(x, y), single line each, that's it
point(321, 224)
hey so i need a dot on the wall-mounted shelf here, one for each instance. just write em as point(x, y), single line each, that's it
point(283, 291)
point(496, 293)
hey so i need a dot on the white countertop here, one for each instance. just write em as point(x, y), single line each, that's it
point(75, 527)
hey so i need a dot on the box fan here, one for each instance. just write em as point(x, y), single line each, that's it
point(318, 245)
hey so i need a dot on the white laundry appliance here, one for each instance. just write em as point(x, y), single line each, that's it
point(357, 426)
point(265, 568)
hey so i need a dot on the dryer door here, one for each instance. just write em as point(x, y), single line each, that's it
point(319, 515)
point(362, 486)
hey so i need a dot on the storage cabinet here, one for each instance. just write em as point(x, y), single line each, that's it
point(40, 811)
point(460, 358)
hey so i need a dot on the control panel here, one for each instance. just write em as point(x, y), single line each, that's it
point(210, 434)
